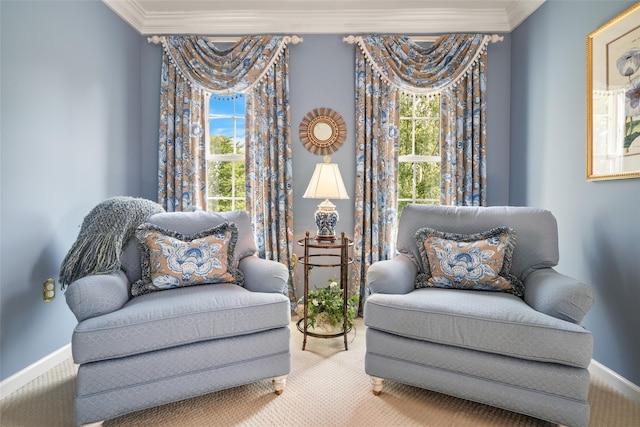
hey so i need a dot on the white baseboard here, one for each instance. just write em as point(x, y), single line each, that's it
point(33, 371)
point(628, 389)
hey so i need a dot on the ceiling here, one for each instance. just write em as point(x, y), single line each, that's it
point(238, 17)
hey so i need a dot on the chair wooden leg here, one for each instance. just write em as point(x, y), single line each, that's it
point(279, 383)
point(376, 385)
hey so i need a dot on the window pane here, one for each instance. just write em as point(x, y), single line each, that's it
point(421, 137)
point(427, 137)
point(219, 178)
point(428, 107)
point(222, 127)
point(240, 133)
point(405, 180)
point(428, 181)
point(404, 139)
point(239, 105)
point(221, 145)
point(433, 138)
point(224, 205)
point(212, 206)
point(239, 180)
point(213, 178)
point(406, 105)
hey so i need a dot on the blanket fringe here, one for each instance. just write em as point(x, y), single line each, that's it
point(104, 259)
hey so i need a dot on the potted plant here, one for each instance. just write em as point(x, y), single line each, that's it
point(325, 309)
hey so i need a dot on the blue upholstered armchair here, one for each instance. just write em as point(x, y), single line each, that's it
point(513, 341)
point(142, 343)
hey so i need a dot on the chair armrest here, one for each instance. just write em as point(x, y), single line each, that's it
point(394, 276)
point(263, 275)
point(92, 296)
point(557, 295)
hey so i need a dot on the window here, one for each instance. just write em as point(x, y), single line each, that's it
point(419, 157)
point(225, 154)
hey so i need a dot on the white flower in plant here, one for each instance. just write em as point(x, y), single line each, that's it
point(333, 285)
point(314, 302)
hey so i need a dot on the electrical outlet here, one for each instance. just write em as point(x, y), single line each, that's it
point(49, 290)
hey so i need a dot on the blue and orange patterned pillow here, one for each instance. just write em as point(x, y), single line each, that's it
point(171, 260)
point(479, 261)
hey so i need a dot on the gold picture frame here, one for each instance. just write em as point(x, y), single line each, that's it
point(613, 98)
point(322, 131)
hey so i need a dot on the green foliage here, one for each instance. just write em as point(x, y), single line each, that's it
point(326, 305)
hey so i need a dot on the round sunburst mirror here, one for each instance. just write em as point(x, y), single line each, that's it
point(322, 131)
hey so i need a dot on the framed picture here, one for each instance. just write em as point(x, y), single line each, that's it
point(613, 98)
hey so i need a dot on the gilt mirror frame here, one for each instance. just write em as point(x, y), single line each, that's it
point(613, 98)
point(322, 131)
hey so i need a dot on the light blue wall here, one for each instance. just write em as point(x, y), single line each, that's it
point(599, 222)
point(70, 137)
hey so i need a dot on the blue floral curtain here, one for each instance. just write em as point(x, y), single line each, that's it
point(377, 120)
point(453, 67)
point(258, 67)
point(463, 139)
point(182, 163)
point(269, 167)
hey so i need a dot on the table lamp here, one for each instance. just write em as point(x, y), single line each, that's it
point(326, 183)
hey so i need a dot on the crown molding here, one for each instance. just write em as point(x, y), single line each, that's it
point(518, 11)
point(149, 17)
point(130, 11)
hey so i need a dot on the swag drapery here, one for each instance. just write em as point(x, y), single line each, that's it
point(257, 66)
point(454, 67)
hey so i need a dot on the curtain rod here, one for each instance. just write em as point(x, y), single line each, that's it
point(226, 39)
point(423, 39)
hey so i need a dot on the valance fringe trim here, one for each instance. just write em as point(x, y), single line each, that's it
point(359, 41)
point(197, 86)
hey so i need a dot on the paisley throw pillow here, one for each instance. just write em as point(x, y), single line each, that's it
point(479, 261)
point(171, 260)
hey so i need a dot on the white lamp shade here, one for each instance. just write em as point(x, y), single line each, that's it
point(326, 183)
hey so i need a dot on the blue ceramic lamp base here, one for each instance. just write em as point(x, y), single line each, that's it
point(326, 221)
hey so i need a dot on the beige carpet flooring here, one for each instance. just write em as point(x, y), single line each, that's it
point(327, 387)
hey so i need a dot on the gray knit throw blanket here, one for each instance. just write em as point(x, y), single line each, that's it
point(103, 234)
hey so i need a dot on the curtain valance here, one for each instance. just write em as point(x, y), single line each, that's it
point(232, 70)
point(412, 68)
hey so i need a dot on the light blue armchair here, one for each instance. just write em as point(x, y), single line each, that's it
point(159, 347)
point(525, 354)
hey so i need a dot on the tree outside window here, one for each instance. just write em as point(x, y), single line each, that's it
point(225, 154)
point(419, 157)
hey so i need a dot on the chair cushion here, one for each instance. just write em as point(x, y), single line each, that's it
point(171, 259)
point(177, 317)
point(494, 322)
point(480, 261)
